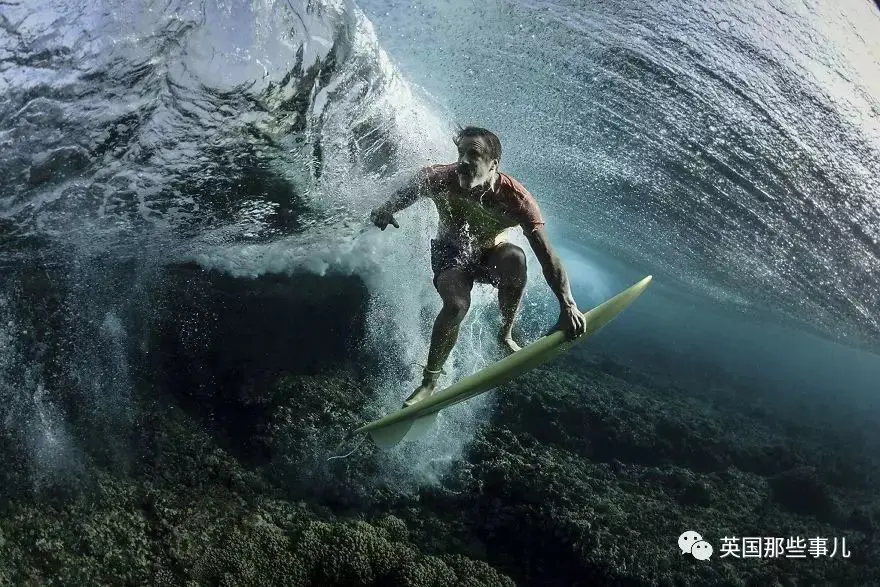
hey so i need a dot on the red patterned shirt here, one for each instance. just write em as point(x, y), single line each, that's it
point(481, 215)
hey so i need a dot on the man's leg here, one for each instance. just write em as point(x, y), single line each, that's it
point(454, 287)
point(507, 262)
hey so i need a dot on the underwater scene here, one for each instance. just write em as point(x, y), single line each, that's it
point(313, 292)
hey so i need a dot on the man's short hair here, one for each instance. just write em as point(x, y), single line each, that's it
point(488, 136)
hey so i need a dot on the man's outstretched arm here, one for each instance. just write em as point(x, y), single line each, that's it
point(403, 198)
point(570, 318)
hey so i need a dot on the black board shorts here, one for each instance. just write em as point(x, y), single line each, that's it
point(448, 255)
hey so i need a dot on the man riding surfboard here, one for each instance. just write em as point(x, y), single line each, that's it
point(477, 205)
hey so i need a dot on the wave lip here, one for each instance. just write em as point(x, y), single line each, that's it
point(193, 118)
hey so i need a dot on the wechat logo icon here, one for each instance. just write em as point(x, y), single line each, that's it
point(693, 543)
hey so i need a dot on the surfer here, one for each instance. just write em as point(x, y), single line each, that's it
point(478, 205)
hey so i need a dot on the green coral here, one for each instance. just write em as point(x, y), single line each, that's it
point(201, 518)
point(83, 543)
point(362, 554)
point(579, 476)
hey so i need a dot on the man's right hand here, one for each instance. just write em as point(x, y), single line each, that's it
point(382, 218)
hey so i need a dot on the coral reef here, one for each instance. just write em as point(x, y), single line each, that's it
point(586, 472)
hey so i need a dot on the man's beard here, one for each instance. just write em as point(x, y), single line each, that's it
point(469, 182)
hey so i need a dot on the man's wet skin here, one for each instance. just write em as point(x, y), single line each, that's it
point(476, 172)
point(502, 263)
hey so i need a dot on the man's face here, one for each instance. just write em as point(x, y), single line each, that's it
point(475, 166)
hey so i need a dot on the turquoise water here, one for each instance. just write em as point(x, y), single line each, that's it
point(728, 149)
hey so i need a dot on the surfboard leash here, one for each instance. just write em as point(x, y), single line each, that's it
point(442, 371)
point(344, 440)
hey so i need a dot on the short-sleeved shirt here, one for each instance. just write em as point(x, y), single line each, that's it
point(477, 217)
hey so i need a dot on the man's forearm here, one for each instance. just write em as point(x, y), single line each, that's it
point(557, 279)
point(554, 272)
point(396, 203)
point(402, 198)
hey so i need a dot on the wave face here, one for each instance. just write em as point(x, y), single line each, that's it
point(126, 117)
point(731, 150)
point(250, 137)
point(729, 147)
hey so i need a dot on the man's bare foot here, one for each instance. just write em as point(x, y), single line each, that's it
point(423, 391)
point(508, 345)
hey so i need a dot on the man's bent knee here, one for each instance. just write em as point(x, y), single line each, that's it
point(453, 283)
point(510, 264)
point(454, 287)
point(456, 308)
